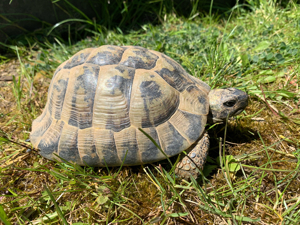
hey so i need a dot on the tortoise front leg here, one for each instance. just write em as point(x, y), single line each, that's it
point(197, 155)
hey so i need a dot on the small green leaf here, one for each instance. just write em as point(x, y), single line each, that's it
point(280, 73)
point(234, 167)
point(295, 51)
point(12, 192)
point(282, 115)
point(279, 56)
point(46, 218)
point(270, 56)
point(72, 182)
point(266, 72)
point(268, 79)
point(102, 199)
point(294, 110)
point(262, 46)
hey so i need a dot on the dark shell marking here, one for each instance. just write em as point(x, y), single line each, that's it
point(42, 124)
point(106, 147)
point(172, 142)
point(50, 140)
point(85, 88)
point(153, 101)
point(87, 147)
point(56, 100)
point(68, 148)
point(106, 55)
point(78, 59)
point(100, 97)
point(190, 125)
point(139, 58)
point(127, 148)
point(149, 152)
point(174, 74)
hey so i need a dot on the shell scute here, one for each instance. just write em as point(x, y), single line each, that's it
point(68, 144)
point(172, 142)
point(57, 92)
point(200, 84)
point(106, 55)
point(127, 147)
point(78, 59)
point(172, 73)
point(151, 90)
point(60, 68)
point(50, 140)
point(139, 58)
point(79, 99)
point(106, 147)
point(86, 147)
point(190, 125)
point(153, 101)
point(148, 151)
point(194, 100)
point(111, 110)
point(40, 126)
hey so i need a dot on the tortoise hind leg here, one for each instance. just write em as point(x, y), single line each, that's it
point(197, 155)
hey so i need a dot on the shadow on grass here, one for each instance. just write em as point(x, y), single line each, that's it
point(71, 22)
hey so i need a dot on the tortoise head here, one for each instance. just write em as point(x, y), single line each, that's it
point(225, 103)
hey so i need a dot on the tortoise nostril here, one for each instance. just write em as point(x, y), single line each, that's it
point(229, 103)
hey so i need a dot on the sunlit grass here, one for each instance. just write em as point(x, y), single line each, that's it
point(252, 173)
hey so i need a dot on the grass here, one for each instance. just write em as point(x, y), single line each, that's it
point(252, 173)
point(104, 15)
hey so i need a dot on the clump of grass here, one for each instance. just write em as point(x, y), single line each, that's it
point(97, 17)
point(252, 173)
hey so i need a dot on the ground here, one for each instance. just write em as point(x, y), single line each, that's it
point(252, 173)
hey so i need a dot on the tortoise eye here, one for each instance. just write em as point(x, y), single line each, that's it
point(229, 103)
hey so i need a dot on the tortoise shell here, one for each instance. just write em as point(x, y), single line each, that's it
point(100, 97)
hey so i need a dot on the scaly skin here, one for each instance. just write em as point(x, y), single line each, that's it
point(197, 156)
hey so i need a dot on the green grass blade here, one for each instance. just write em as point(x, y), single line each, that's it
point(69, 20)
point(154, 142)
point(58, 210)
point(3, 216)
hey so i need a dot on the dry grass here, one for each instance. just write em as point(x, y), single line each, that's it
point(252, 179)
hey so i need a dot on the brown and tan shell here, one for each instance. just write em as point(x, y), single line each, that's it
point(100, 97)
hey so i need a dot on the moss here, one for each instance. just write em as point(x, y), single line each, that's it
point(255, 139)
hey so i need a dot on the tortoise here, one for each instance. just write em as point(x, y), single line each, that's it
point(100, 99)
